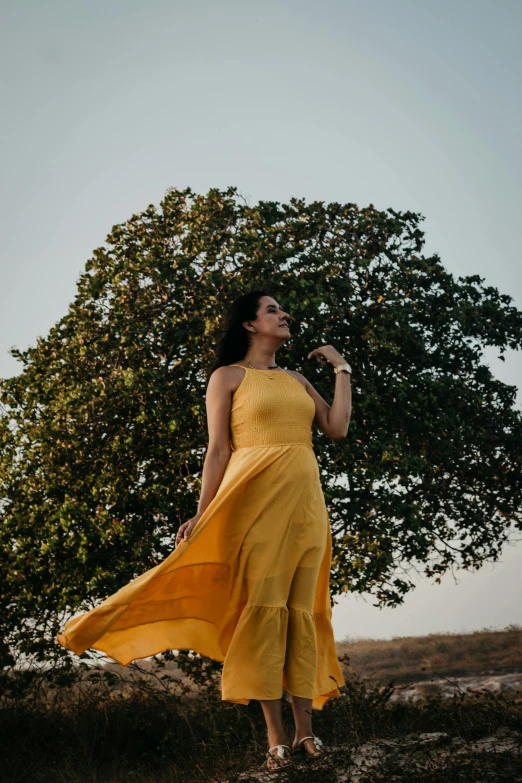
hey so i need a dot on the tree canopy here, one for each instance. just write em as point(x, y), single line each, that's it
point(103, 433)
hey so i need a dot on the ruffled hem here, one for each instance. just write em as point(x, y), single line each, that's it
point(273, 648)
point(280, 647)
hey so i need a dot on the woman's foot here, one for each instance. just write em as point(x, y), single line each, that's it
point(277, 757)
point(311, 745)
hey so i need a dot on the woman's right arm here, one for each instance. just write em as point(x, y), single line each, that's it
point(219, 403)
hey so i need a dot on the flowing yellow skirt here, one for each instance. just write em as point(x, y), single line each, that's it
point(250, 587)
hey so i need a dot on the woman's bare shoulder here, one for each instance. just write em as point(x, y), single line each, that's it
point(226, 378)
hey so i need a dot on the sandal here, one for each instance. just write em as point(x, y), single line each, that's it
point(281, 754)
point(300, 748)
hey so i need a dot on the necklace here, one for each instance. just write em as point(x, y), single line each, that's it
point(273, 367)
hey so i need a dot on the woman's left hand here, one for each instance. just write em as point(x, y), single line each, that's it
point(327, 353)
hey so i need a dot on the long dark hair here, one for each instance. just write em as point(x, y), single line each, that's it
point(234, 342)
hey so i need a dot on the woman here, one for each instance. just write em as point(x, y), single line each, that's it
point(248, 580)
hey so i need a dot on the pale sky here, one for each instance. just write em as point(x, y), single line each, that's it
point(399, 103)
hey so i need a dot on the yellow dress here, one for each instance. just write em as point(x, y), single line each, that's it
point(250, 587)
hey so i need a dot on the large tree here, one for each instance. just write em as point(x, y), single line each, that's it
point(103, 433)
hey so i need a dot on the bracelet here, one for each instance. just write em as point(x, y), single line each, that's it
point(345, 367)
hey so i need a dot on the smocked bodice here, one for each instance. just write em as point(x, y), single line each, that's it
point(270, 411)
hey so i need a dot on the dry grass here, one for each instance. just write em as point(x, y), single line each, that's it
point(137, 730)
point(413, 658)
